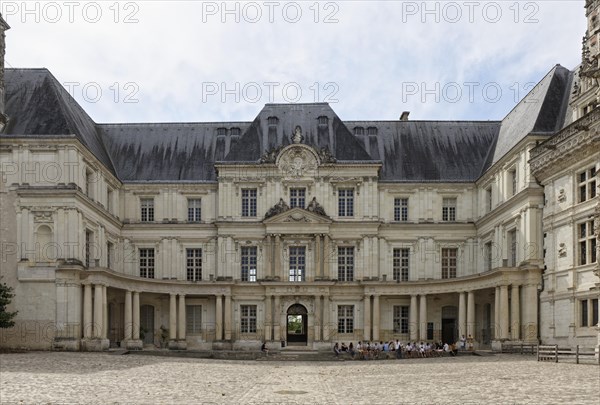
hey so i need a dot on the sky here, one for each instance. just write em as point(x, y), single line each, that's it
point(195, 61)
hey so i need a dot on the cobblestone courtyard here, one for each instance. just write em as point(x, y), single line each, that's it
point(102, 378)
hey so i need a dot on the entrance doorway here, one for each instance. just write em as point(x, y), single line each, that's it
point(449, 327)
point(147, 323)
point(297, 325)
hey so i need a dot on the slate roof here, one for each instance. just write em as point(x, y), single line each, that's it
point(410, 151)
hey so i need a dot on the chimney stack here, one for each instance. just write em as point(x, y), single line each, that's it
point(404, 116)
point(3, 118)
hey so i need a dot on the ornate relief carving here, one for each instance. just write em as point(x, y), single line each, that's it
point(562, 196)
point(315, 207)
point(298, 162)
point(562, 250)
point(277, 209)
point(42, 216)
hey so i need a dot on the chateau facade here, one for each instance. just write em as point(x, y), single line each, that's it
point(299, 228)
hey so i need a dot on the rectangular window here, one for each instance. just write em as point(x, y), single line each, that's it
point(512, 248)
point(194, 210)
point(487, 252)
point(297, 263)
point(109, 199)
point(248, 262)
point(147, 263)
point(346, 202)
point(400, 319)
point(194, 264)
point(449, 256)
point(595, 311)
point(297, 197)
point(587, 243)
point(401, 209)
point(587, 184)
point(513, 182)
point(109, 254)
point(584, 312)
point(193, 319)
point(345, 318)
point(429, 330)
point(400, 264)
point(147, 209)
point(248, 318)
point(345, 264)
point(449, 209)
point(488, 199)
point(88, 243)
point(249, 202)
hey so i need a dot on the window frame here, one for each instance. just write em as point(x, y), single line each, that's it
point(146, 262)
point(248, 263)
point(193, 264)
point(586, 184)
point(449, 269)
point(147, 209)
point(297, 197)
point(586, 243)
point(400, 209)
point(248, 319)
point(345, 318)
point(194, 210)
point(400, 319)
point(249, 202)
point(345, 202)
point(196, 324)
point(449, 208)
point(401, 264)
point(346, 263)
point(297, 264)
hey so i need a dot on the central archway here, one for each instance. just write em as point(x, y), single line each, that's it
point(297, 325)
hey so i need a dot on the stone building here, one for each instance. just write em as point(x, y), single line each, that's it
point(298, 227)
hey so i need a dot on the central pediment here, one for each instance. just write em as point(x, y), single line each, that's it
point(297, 216)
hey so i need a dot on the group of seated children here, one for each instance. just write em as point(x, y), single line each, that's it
point(376, 350)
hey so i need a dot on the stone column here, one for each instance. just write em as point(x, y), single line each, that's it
point(530, 313)
point(228, 317)
point(367, 325)
point(87, 311)
point(98, 318)
point(318, 319)
point(128, 312)
point(219, 317)
point(268, 319)
point(504, 321)
point(471, 314)
point(181, 320)
point(497, 313)
point(423, 317)
point(326, 313)
point(515, 313)
point(104, 312)
point(136, 315)
point(413, 321)
point(318, 256)
point(173, 316)
point(326, 256)
point(462, 314)
point(276, 317)
point(376, 317)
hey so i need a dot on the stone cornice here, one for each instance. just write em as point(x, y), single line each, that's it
point(565, 147)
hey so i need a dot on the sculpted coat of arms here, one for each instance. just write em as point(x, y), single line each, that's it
point(298, 162)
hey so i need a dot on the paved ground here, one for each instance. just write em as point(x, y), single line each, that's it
point(48, 377)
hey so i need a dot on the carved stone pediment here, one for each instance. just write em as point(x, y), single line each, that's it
point(298, 216)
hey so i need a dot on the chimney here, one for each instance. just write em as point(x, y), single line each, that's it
point(404, 116)
point(3, 118)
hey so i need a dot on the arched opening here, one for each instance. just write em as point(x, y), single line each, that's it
point(449, 327)
point(147, 324)
point(45, 247)
point(297, 325)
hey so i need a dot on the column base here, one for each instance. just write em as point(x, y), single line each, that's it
point(177, 345)
point(94, 345)
point(66, 344)
point(132, 344)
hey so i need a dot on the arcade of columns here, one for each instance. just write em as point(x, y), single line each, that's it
point(508, 313)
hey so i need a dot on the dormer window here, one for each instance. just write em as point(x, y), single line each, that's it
point(235, 131)
point(359, 131)
point(371, 131)
point(272, 121)
point(323, 121)
point(221, 131)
